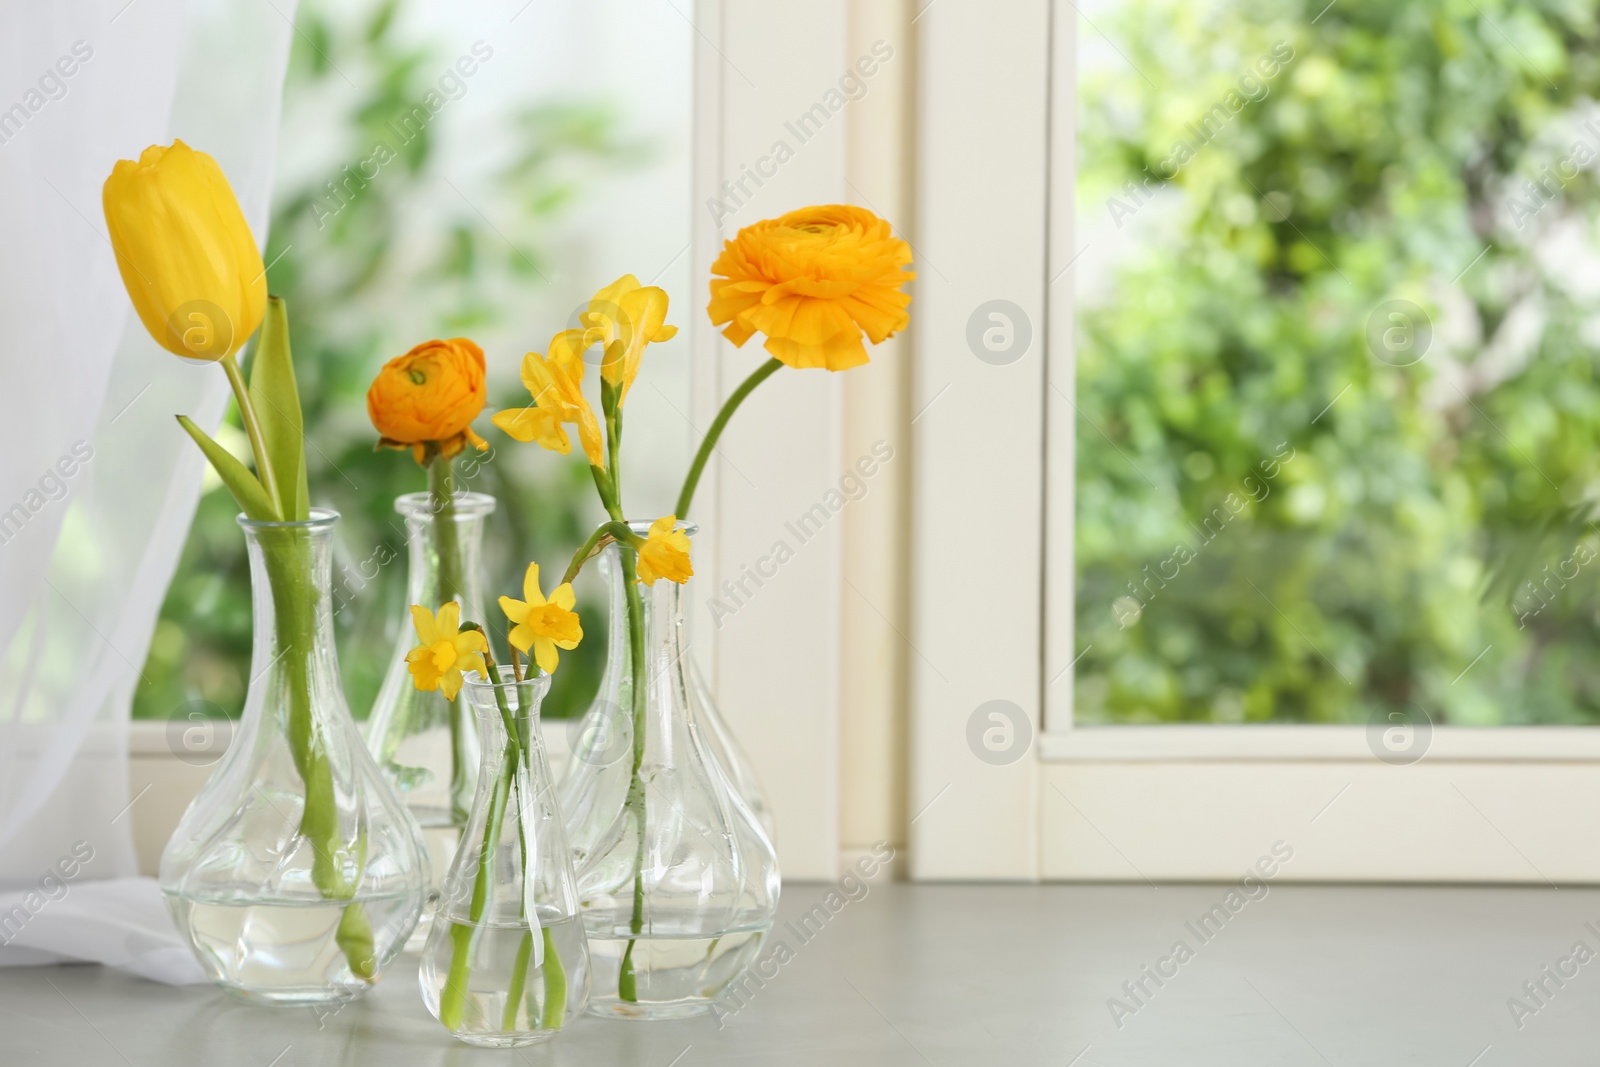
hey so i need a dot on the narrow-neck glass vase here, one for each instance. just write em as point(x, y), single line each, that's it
point(426, 745)
point(677, 879)
point(506, 963)
point(296, 874)
point(714, 729)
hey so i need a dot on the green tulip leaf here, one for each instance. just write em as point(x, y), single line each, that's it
point(247, 492)
point(277, 402)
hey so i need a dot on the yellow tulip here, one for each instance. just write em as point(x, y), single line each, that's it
point(187, 257)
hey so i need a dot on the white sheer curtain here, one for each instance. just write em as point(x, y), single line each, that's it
point(97, 482)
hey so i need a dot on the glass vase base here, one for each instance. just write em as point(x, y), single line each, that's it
point(497, 995)
point(505, 1040)
point(673, 977)
point(271, 952)
point(648, 1012)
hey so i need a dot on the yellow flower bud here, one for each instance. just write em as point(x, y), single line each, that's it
point(187, 257)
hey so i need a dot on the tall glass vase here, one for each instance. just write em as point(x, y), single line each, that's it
point(296, 874)
point(677, 879)
point(506, 962)
point(427, 746)
point(718, 736)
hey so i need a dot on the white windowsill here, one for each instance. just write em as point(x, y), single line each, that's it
point(1216, 743)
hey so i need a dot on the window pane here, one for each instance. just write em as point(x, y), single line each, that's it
point(1336, 369)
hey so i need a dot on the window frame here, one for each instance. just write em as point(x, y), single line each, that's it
point(1132, 803)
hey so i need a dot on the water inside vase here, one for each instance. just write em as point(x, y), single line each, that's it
point(284, 952)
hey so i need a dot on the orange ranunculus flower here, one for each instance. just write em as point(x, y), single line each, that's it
point(430, 395)
point(813, 281)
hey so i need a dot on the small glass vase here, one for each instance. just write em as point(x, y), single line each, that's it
point(426, 745)
point(677, 879)
point(714, 728)
point(296, 874)
point(506, 963)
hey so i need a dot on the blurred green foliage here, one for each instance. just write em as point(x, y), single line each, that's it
point(1391, 520)
point(402, 252)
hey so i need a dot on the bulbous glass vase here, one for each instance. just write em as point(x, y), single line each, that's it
point(296, 874)
point(506, 963)
point(677, 879)
point(719, 737)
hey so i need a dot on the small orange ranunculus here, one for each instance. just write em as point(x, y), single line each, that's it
point(430, 395)
point(812, 281)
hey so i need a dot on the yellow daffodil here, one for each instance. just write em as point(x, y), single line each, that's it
point(543, 625)
point(445, 651)
point(622, 318)
point(186, 254)
point(665, 553)
point(555, 382)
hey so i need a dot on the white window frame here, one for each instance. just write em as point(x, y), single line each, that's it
point(996, 168)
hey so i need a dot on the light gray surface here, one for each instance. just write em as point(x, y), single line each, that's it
point(945, 975)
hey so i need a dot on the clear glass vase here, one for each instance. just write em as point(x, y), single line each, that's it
point(677, 879)
point(703, 710)
point(296, 874)
point(426, 745)
point(506, 963)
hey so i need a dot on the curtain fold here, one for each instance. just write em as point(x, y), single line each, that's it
point(98, 484)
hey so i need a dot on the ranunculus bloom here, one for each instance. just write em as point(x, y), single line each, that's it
point(665, 553)
point(540, 624)
point(813, 281)
point(430, 395)
point(187, 257)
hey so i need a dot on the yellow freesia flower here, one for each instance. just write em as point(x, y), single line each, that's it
point(543, 625)
point(622, 318)
point(556, 384)
point(665, 553)
point(186, 254)
point(445, 651)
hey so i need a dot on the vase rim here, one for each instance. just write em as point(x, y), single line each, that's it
point(642, 526)
point(321, 519)
point(468, 504)
point(477, 683)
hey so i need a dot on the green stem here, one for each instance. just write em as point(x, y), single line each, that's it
point(519, 981)
point(555, 986)
point(452, 999)
point(627, 981)
point(252, 427)
point(615, 530)
point(691, 481)
point(452, 586)
point(287, 555)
